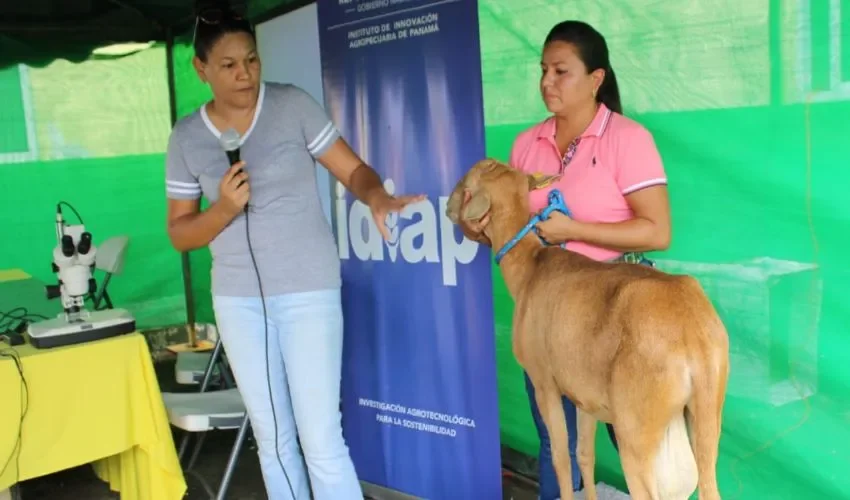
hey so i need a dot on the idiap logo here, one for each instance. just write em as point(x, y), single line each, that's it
point(420, 233)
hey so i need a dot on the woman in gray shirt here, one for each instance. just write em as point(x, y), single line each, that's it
point(276, 271)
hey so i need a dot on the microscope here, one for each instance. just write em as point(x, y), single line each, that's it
point(73, 262)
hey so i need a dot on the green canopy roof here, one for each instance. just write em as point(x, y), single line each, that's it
point(35, 32)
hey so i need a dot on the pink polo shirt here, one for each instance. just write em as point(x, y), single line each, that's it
point(615, 156)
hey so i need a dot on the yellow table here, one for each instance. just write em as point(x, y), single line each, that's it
point(95, 403)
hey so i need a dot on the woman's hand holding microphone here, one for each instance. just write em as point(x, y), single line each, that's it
point(233, 190)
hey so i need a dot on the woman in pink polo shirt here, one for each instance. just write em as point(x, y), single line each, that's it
point(609, 171)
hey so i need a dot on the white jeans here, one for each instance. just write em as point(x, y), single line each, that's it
point(305, 357)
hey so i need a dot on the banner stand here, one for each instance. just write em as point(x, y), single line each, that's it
point(402, 83)
point(377, 492)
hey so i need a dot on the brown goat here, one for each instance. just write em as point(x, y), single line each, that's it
point(628, 344)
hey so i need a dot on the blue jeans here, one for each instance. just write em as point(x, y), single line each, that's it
point(305, 363)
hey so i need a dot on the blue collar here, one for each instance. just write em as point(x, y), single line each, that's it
point(556, 202)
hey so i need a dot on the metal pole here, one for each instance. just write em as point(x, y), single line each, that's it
point(187, 269)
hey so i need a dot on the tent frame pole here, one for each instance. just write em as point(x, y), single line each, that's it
point(184, 256)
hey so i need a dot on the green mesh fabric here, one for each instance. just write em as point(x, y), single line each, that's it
point(92, 135)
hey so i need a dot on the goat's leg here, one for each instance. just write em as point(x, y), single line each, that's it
point(705, 418)
point(586, 452)
point(552, 411)
point(641, 417)
point(637, 447)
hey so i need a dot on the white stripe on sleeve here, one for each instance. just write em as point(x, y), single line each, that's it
point(184, 188)
point(322, 139)
point(645, 184)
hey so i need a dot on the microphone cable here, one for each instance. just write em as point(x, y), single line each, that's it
point(268, 369)
point(231, 142)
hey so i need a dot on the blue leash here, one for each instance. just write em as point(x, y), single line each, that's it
point(556, 202)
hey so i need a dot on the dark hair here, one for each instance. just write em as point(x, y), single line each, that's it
point(593, 51)
point(212, 21)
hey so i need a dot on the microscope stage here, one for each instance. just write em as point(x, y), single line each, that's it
point(98, 325)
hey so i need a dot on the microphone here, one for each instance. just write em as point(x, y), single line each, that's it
point(229, 141)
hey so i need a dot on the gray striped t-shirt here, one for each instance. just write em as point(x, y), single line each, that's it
point(292, 241)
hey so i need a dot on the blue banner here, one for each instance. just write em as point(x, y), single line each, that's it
point(402, 81)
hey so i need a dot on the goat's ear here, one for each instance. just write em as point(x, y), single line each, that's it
point(453, 205)
point(538, 181)
point(477, 207)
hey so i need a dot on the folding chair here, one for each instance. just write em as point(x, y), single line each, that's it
point(110, 260)
point(214, 365)
point(191, 368)
point(203, 411)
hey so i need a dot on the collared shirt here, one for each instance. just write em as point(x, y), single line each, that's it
point(613, 157)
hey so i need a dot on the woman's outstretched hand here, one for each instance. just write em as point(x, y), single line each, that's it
point(382, 204)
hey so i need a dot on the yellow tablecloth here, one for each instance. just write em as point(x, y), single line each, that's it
point(96, 403)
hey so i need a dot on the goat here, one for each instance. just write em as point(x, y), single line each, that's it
point(629, 344)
